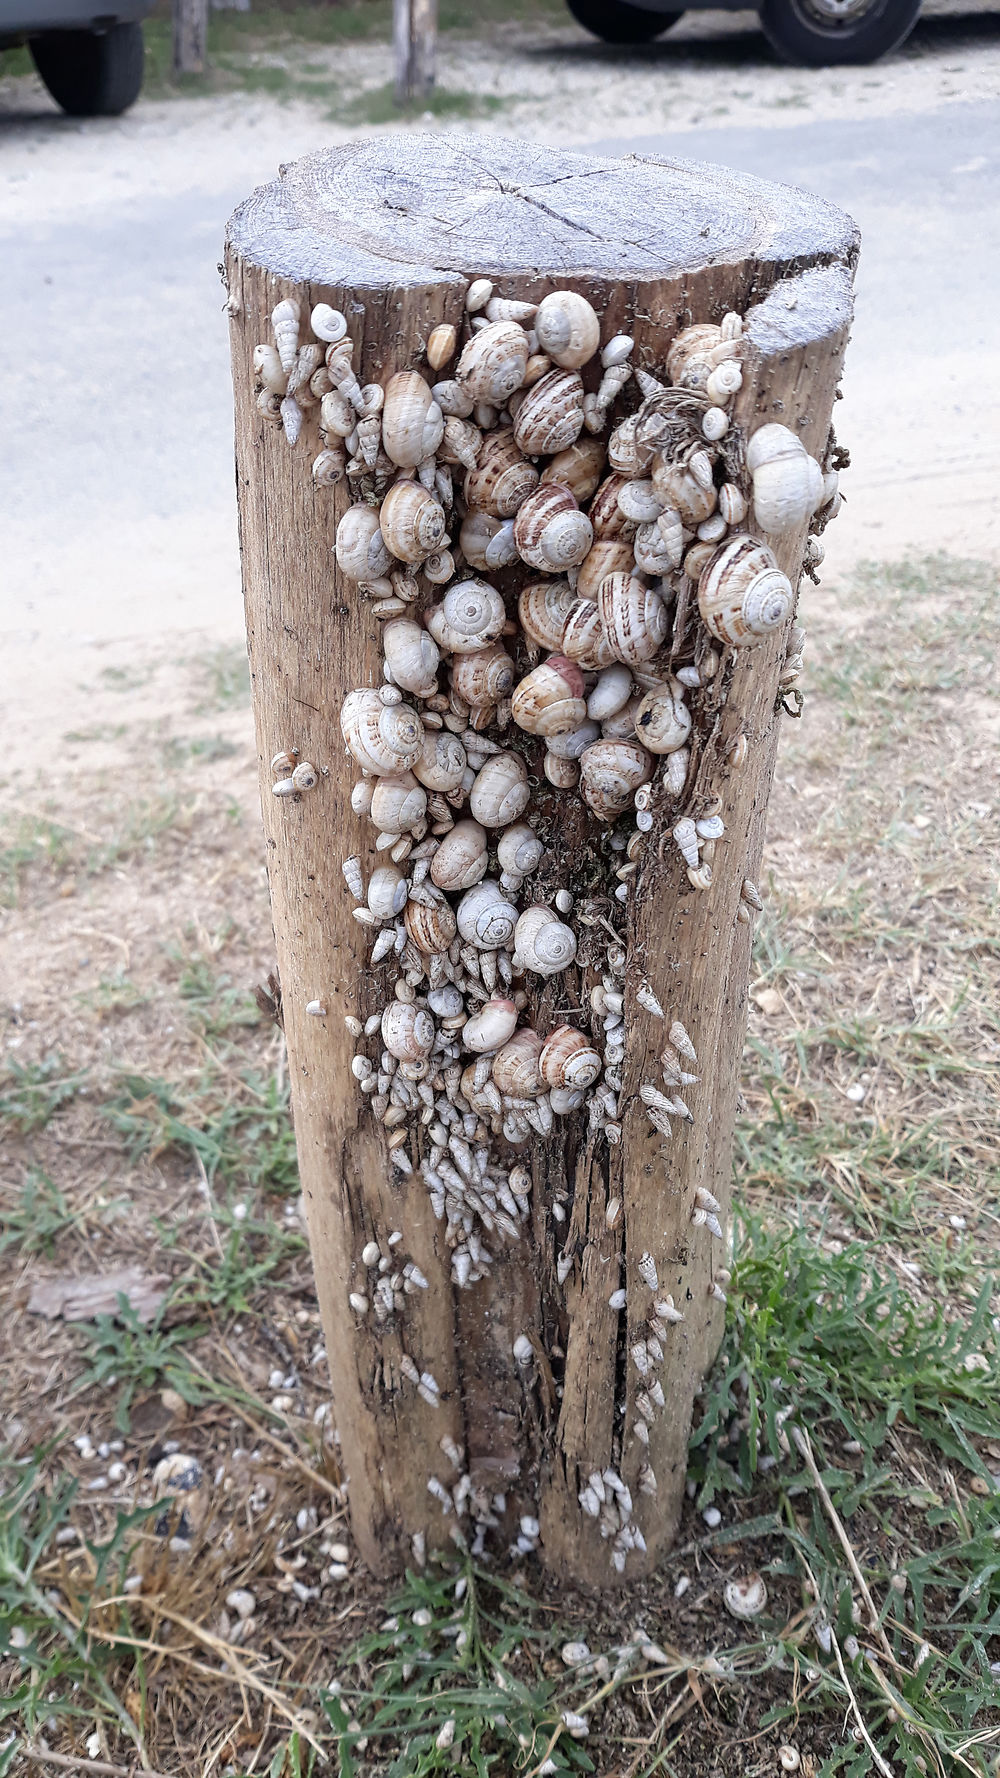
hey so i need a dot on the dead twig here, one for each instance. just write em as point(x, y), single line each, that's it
point(800, 1440)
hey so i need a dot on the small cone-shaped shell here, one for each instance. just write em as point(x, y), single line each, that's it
point(407, 1031)
point(483, 676)
point(432, 929)
point(549, 700)
point(579, 466)
point(550, 417)
point(387, 892)
point(692, 344)
point(543, 608)
point(635, 618)
point(285, 322)
point(412, 656)
point(519, 849)
point(360, 546)
point(486, 918)
point(461, 443)
point(490, 1027)
point(743, 596)
point(410, 415)
point(663, 722)
point(605, 512)
point(462, 858)
point(567, 328)
point(550, 531)
point(585, 639)
point(398, 802)
point(500, 793)
point(382, 737)
point(484, 1100)
point(606, 556)
point(493, 362)
point(477, 532)
point(442, 761)
point(568, 1059)
point(611, 773)
point(515, 1067)
point(470, 616)
point(542, 943)
point(502, 478)
point(411, 522)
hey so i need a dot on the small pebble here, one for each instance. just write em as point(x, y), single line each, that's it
point(339, 1552)
point(712, 1517)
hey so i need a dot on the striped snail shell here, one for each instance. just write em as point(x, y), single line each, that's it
point(611, 773)
point(398, 802)
point(550, 416)
point(407, 1031)
point(663, 722)
point(742, 594)
point(542, 943)
point(519, 850)
point(692, 346)
point(585, 639)
point(606, 556)
point(680, 489)
point(605, 512)
point(787, 482)
point(475, 535)
point(471, 615)
point(500, 793)
point(542, 608)
point(285, 323)
point(483, 676)
point(549, 700)
point(567, 328)
point(411, 521)
point(579, 466)
point(432, 929)
point(635, 618)
point(732, 504)
point(442, 761)
point(493, 362)
point(412, 422)
point(411, 655)
point(568, 1059)
point(387, 892)
point(502, 477)
point(382, 737)
point(625, 451)
point(550, 531)
point(515, 1066)
point(461, 859)
point(490, 1027)
point(486, 918)
point(360, 547)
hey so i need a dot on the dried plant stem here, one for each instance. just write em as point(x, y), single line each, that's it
point(801, 1441)
point(72, 1761)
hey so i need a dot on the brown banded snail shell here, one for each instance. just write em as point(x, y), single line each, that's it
point(605, 512)
point(493, 362)
point(432, 929)
point(411, 522)
point(550, 416)
point(543, 607)
point(502, 478)
point(608, 555)
point(585, 640)
point(610, 774)
point(742, 594)
point(568, 1059)
point(550, 531)
point(635, 618)
point(515, 1066)
point(549, 700)
point(579, 466)
point(483, 676)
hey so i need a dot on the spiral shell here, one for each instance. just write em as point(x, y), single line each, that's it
point(285, 323)
point(542, 943)
point(500, 793)
point(579, 467)
point(267, 366)
point(605, 512)
point(483, 676)
point(398, 802)
point(621, 726)
point(549, 700)
point(411, 655)
point(337, 418)
point(432, 929)
point(606, 556)
point(411, 522)
point(742, 594)
point(486, 918)
point(515, 1066)
point(610, 694)
point(461, 859)
point(382, 737)
point(469, 617)
point(328, 324)
point(387, 892)
point(732, 504)
point(502, 478)
point(550, 417)
point(585, 639)
point(680, 489)
point(412, 422)
point(442, 761)
point(452, 399)
point(519, 850)
point(477, 532)
point(493, 362)
point(328, 468)
point(407, 1031)
point(490, 1027)
point(663, 722)
point(543, 607)
point(562, 774)
point(461, 443)
point(692, 347)
point(611, 773)
point(568, 1059)
point(567, 328)
point(787, 482)
point(550, 531)
point(360, 547)
point(635, 618)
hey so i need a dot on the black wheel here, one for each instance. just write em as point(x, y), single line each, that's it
point(91, 73)
point(615, 21)
point(820, 33)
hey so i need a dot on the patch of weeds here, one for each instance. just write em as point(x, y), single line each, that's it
point(42, 1215)
point(132, 678)
point(25, 841)
point(129, 1356)
point(32, 1092)
point(217, 1007)
point(238, 1126)
point(113, 995)
point(15, 63)
point(378, 105)
point(251, 1252)
point(204, 751)
point(224, 673)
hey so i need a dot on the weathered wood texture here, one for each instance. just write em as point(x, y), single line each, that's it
point(190, 35)
point(390, 231)
point(414, 44)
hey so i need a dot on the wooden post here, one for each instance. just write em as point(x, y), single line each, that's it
point(414, 42)
point(190, 35)
point(497, 1399)
point(402, 49)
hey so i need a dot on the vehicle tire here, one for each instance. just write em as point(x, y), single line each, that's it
point(822, 33)
point(91, 73)
point(615, 21)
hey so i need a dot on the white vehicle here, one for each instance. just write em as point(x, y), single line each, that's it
point(90, 61)
point(810, 33)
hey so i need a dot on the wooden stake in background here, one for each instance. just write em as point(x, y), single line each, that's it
point(190, 35)
point(414, 39)
point(535, 1376)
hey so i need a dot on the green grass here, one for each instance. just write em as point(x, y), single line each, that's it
point(379, 106)
point(224, 672)
point(123, 1354)
point(32, 1092)
point(26, 842)
point(236, 1125)
point(35, 1223)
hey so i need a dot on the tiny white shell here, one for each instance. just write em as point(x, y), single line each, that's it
point(610, 693)
point(746, 1598)
point(328, 324)
point(567, 328)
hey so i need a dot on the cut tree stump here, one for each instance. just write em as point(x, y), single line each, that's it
point(441, 1426)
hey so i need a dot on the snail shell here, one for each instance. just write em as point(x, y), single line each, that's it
point(692, 346)
point(500, 793)
point(490, 1027)
point(568, 1059)
point(635, 618)
point(567, 328)
point(483, 676)
point(486, 918)
point(412, 422)
point(484, 1100)
point(477, 531)
point(502, 478)
point(605, 511)
point(387, 892)
point(453, 399)
point(550, 531)
point(328, 324)
point(732, 505)
point(268, 368)
point(382, 737)
point(585, 639)
point(562, 774)
point(407, 1031)
point(442, 761)
point(569, 746)
point(336, 415)
point(412, 656)
point(328, 468)
point(461, 859)
point(461, 443)
point(515, 1066)
point(621, 726)
point(542, 943)
point(493, 362)
point(639, 502)
point(519, 850)
point(680, 489)
point(441, 345)
point(550, 417)
point(549, 700)
point(579, 467)
point(607, 556)
point(411, 521)
point(742, 594)
point(543, 608)
point(470, 616)
point(285, 323)
point(611, 773)
point(663, 722)
point(432, 929)
point(563, 1100)
point(398, 802)
point(624, 453)
point(787, 482)
point(360, 547)
point(610, 694)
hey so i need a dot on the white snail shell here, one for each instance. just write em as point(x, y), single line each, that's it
point(500, 793)
point(453, 399)
point(563, 774)
point(305, 776)
point(742, 594)
point(328, 468)
point(461, 443)
point(382, 738)
point(570, 746)
point(621, 726)
point(483, 676)
point(502, 477)
point(387, 892)
point(543, 607)
point(491, 1026)
point(550, 531)
point(732, 505)
point(432, 929)
point(635, 618)
point(441, 345)
point(411, 522)
point(412, 422)
point(486, 918)
point(336, 415)
point(549, 700)
point(579, 466)
point(268, 367)
point(471, 615)
point(639, 501)
point(568, 1059)
point(515, 1066)
point(610, 693)
point(610, 774)
point(567, 328)
point(519, 850)
point(397, 802)
point(475, 535)
point(411, 655)
point(328, 324)
point(461, 859)
point(787, 482)
point(360, 547)
point(608, 555)
point(493, 362)
point(407, 1031)
point(542, 943)
point(563, 1100)
point(724, 382)
point(442, 761)
point(663, 721)
point(285, 322)
point(550, 415)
